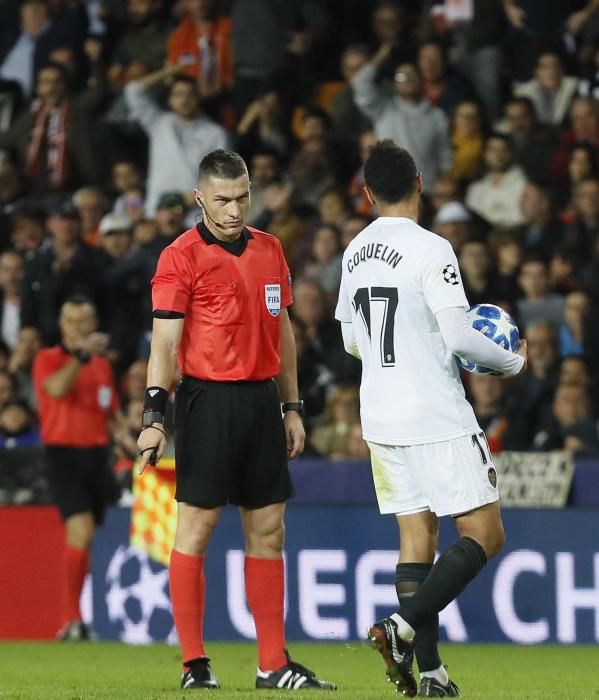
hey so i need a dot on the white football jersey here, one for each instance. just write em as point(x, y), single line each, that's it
point(396, 277)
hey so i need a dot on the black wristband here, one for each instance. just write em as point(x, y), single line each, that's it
point(82, 356)
point(155, 399)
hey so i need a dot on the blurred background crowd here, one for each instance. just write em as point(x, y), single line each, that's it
point(107, 107)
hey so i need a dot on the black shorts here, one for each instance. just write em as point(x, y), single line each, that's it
point(230, 444)
point(80, 480)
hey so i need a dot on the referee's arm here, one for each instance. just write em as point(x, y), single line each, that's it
point(287, 383)
point(166, 335)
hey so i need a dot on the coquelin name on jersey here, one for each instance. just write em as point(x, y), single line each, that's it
point(373, 251)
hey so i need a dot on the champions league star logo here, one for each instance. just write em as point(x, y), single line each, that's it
point(450, 275)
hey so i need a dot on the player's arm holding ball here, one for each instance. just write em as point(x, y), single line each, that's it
point(446, 298)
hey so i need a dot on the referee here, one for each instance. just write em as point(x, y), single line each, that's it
point(220, 298)
point(77, 400)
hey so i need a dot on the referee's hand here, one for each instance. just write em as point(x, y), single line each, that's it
point(151, 444)
point(295, 434)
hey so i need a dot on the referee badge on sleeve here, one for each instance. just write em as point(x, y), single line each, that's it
point(272, 298)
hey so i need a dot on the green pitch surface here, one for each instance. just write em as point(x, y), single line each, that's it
point(119, 672)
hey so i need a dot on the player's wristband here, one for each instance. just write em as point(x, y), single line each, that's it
point(155, 400)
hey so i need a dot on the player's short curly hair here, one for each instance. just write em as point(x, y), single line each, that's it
point(227, 165)
point(390, 172)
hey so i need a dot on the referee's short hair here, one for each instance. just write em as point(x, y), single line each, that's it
point(390, 172)
point(226, 165)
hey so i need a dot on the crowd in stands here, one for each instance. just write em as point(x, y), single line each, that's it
point(107, 107)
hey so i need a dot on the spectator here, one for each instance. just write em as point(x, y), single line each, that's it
point(39, 35)
point(325, 264)
point(446, 190)
point(341, 413)
point(508, 257)
point(202, 45)
point(280, 218)
point(550, 91)
point(564, 273)
point(17, 426)
point(582, 165)
point(534, 144)
point(64, 267)
point(475, 266)
point(467, 141)
point(349, 121)
point(124, 176)
point(91, 205)
point(262, 125)
point(389, 29)
point(584, 128)
point(532, 393)
point(538, 303)
point(142, 48)
point(11, 194)
point(53, 141)
point(582, 234)
point(322, 333)
point(11, 275)
point(311, 171)
point(179, 138)
point(28, 230)
point(541, 230)
point(442, 86)
point(333, 207)
point(170, 216)
point(571, 336)
point(130, 204)
point(144, 231)
point(351, 227)
point(8, 387)
point(487, 395)
point(29, 342)
point(264, 171)
point(452, 222)
point(574, 370)
point(134, 382)
point(394, 116)
point(115, 237)
point(570, 425)
point(358, 198)
point(493, 196)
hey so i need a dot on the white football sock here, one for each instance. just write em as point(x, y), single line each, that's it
point(406, 632)
point(439, 674)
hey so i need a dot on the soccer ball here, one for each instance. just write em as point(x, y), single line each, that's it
point(496, 324)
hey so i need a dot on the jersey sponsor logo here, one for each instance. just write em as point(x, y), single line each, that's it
point(104, 397)
point(492, 474)
point(272, 298)
point(450, 274)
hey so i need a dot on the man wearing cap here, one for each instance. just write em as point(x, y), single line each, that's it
point(62, 266)
point(179, 137)
point(452, 222)
point(115, 235)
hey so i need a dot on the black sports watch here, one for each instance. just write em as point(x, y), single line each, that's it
point(297, 406)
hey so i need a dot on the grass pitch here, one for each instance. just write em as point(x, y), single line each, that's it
point(116, 671)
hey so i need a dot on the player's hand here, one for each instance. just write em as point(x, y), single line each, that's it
point(523, 352)
point(151, 443)
point(295, 433)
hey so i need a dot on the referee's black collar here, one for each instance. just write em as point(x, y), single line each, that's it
point(235, 247)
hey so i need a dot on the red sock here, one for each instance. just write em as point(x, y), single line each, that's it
point(188, 593)
point(265, 593)
point(76, 567)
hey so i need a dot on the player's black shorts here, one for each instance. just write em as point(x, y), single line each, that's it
point(230, 444)
point(80, 480)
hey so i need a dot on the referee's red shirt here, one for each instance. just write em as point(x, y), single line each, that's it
point(80, 418)
point(231, 303)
